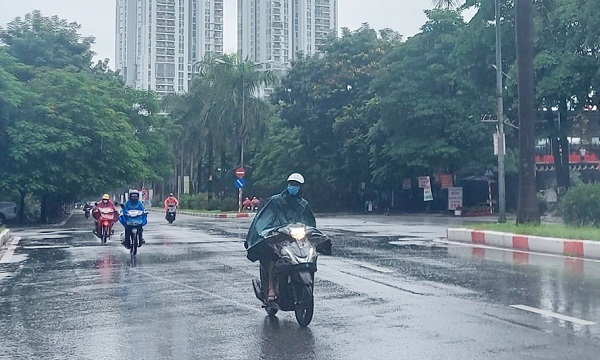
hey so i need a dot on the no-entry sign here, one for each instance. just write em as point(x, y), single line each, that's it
point(240, 172)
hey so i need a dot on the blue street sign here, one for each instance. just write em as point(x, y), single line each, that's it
point(240, 183)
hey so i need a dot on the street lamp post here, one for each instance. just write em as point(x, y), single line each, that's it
point(500, 106)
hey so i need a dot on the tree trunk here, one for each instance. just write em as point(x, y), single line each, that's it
point(564, 144)
point(199, 173)
point(44, 209)
point(211, 165)
point(22, 206)
point(222, 173)
point(528, 208)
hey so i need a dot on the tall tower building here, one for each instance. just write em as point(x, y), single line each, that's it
point(274, 32)
point(158, 41)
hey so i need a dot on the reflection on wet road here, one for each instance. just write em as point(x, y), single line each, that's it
point(391, 290)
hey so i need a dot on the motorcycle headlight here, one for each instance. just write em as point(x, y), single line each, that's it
point(298, 233)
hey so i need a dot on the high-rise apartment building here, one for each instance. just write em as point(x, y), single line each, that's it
point(275, 32)
point(158, 41)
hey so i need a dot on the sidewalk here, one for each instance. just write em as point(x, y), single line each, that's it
point(211, 215)
point(567, 247)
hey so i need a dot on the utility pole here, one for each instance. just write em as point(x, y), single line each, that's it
point(500, 105)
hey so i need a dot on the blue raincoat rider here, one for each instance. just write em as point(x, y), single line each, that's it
point(286, 208)
point(133, 203)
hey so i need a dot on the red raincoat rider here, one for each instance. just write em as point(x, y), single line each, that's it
point(105, 203)
point(171, 201)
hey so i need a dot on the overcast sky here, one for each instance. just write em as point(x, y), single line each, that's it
point(97, 17)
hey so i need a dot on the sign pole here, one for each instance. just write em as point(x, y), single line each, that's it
point(240, 173)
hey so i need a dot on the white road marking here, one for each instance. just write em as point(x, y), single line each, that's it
point(34, 247)
point(549, 313)
point(375, 268)
point(10, 251)
point(248, 307)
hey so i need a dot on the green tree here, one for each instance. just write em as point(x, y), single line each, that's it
point(326, 102)
point(430, 108)
point(221, 115)
point(47, 41)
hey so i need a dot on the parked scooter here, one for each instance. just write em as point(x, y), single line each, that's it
point(296, 246)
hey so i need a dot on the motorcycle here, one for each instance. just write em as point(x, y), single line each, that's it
point(87, 212)
point(296, 246)
point(171, 212)
point(105, 222)
point(133, 220)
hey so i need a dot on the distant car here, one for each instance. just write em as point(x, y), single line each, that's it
point(8, 211)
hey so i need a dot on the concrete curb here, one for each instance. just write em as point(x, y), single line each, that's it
point(62, 223)
point(4, 236)
point(213, 215)
point(566, 247)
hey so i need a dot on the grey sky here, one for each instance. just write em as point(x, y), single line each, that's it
point(97, 17)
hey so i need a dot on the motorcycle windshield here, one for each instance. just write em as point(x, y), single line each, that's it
point(276, 236)
point(280, 210)
point(133, 218)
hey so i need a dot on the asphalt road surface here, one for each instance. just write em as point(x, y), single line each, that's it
point(392, 290)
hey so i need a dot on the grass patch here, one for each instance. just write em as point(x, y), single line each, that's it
point(547, 230)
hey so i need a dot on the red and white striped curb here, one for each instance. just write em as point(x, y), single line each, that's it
point(567, 247)
point(4, 236)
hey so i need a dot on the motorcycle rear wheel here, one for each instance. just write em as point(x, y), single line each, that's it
point(304, 314)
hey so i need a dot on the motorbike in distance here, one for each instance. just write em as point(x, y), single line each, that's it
point(171, 213)
point(296, 248)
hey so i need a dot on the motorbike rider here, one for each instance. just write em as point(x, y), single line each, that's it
point(87, 208)
point(133, 203)
point(104, 203)
point(170, 201)
point(247, 204)
point(285, 208)
point(255, 203)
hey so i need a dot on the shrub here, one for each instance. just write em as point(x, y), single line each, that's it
point(581, 206)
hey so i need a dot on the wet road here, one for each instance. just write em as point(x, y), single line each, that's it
point(391, 290)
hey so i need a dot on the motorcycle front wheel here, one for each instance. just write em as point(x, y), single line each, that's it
point(104, 234)
point(304, 314)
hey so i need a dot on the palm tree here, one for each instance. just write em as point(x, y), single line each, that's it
point(528, 208)
point(220, 114)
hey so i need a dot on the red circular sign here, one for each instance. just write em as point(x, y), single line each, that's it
point(240, 172)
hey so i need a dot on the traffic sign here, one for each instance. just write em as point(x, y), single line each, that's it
point(240, 183)
point(240, 172)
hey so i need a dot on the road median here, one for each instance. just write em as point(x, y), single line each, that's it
point(223, 215)
point(559, 246)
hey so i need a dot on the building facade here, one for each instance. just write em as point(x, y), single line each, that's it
point(272, 33)
point(158, 41)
